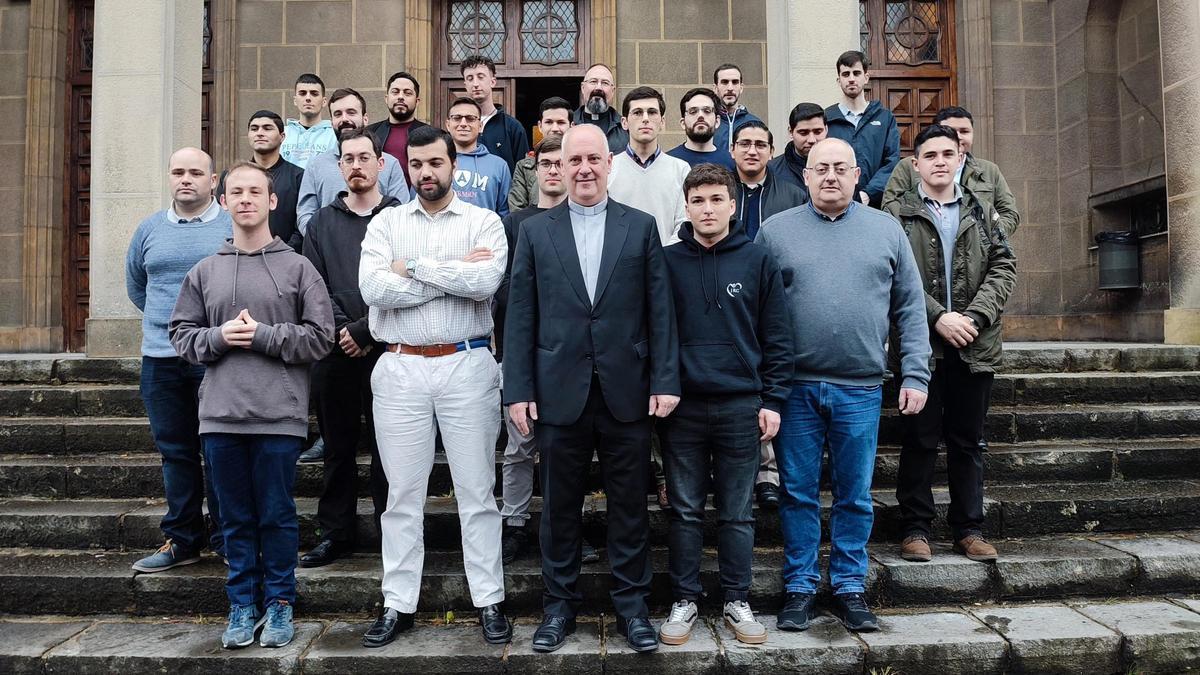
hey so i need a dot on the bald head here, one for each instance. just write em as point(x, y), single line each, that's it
point(582, 131)
point(831, 175)
point(835, 148)
point(587, 161)
point(193, 178)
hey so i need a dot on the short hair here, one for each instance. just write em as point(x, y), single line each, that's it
point(848, 59)
point(754, 124)
point(934, 131)
point(243, 164)
point(708, 173)
point(311, 78)
point(464, 100)
point(554, 103)
point(604, 66)
point(339, 94)
point(476, 60)
point(805, 111)
point(642, 93)
point(407, 76)
point(428, 135)
point(274, 117)
point(360, 132)
point(698, 91)
point(550, 143)
point(951, 112)
point(727, 66)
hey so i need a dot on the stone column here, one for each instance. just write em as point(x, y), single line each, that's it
point(145, 104)
point(803, 43)
point(1179, 31)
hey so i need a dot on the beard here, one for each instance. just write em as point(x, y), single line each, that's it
point(344, 127)
point(434, 192)
point(402, 114)
point(700, 136)
point(597, 103)
point(360, 184)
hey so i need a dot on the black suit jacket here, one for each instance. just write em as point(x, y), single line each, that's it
point(554, 334)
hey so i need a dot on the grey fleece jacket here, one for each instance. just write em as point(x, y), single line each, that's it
point(263, 389)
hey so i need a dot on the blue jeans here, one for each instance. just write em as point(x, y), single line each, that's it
point(848, 419)
point(711, 440)
point(170, 389)
point(253, 476)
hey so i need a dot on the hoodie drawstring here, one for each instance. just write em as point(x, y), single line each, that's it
point(716, 296)
point(235, 271)
point(703, 287)
point(269, 273)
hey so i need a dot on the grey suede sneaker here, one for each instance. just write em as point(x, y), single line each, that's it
point(678, 627)
point(167, 556)
point(741, 621)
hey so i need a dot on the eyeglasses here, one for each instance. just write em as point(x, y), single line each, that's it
point(757, 145)
point(706, 110)
point(596, 82)
point(363, 159)
point(469, 119)
point(840, 170)
point(546, 165)
point(650, 113)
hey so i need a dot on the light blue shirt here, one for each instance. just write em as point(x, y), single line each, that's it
point(851, 116)
point(587, 226)
point(323, 181)
point(301, 143)
point(210, 214)
point(946, 217)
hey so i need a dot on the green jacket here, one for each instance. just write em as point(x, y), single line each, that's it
point(984, 270)
point(524, 190)
point(980, 177)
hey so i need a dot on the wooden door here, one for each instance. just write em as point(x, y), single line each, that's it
point(911, 46)
point(78, 172)
point(527, 39)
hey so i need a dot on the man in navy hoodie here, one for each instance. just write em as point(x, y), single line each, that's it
point(735, 364)
point(502, 135)
point(868, 127)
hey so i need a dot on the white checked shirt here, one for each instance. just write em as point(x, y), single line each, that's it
point(446, 300)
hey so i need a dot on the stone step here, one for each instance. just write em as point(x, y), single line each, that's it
point(124, 400)
point(1009, 510)
point(139, 475)
point(1005, 424)
point(1142, 634)
point(49, 581)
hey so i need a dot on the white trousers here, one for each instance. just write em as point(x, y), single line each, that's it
point(413, 397)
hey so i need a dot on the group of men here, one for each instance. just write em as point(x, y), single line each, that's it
point(731, 313)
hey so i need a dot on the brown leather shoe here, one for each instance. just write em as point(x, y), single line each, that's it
point(976, 548)
point(663, 502)
point(915, 548)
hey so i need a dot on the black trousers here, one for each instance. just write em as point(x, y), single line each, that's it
point(566, 451)
point(342, 389)
point(955, 412)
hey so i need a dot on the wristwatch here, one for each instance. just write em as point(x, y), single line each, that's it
point(410, 266)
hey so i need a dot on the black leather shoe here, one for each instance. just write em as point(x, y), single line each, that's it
point(513, 543)
point(552, 633)
point(497, 629)
point(324, 553)
point(767, 495)
point(639, 633)
point(385, 629)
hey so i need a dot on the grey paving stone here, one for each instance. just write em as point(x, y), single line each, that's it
point(174, 647)
point(949, 577)
point(1167, 563)
point(63, 524)
point(1190, 603)
point(581, 653)
point(66, 582)
point(941, 642)
point(1054, 639)
point(22, 643)
point(452, 648)
point(826, 647)
point(1053, 568)
point(1159, 636)
point(700, 654)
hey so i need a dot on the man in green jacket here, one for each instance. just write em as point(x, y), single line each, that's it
point(968, 271)
point(554, 118)
point(981, 177)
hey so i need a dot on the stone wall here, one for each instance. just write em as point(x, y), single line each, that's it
point(674, 46)
point(1139, 83)
point(349, 43)
point(14, 34)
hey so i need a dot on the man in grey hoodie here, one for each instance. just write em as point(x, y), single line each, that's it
point(256, 314)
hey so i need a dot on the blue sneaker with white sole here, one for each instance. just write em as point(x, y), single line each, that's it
point(244, 622)
point(278, 631)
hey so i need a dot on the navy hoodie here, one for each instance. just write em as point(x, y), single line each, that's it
point(735, 331)
point(876, 143)
point(505, 137)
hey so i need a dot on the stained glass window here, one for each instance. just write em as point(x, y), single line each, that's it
point(476, 27)
point(549, 31)
point(913, 31)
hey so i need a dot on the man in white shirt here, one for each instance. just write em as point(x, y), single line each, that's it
point(428, 271)
point(643, 176)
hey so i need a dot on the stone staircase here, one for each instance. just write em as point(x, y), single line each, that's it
point(1093, 499)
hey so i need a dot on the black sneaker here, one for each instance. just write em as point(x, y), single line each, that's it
point(852, 609)
point(513, 543)
point(799, 609)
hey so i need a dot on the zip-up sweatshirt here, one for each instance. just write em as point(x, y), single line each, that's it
point(334, 246)
point(301, 143)
point(263, 389)
point(730, 121)
point(482, 179)
point(735, 332)
point(505, 138)
point(876, 143)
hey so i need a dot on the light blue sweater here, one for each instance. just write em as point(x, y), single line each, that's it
point(160, 254)
point(301, 143)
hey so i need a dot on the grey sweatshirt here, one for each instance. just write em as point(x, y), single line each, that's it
point(263, 389)
point(845, 281)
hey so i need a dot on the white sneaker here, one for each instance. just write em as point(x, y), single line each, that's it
point(678, 627)
point(743, 624)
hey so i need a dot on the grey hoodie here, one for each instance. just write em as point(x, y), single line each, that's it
point(264, 389)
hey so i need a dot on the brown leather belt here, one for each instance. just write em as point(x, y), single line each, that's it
point(438, 350)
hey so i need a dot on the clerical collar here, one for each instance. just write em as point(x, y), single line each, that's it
point(594, 210)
